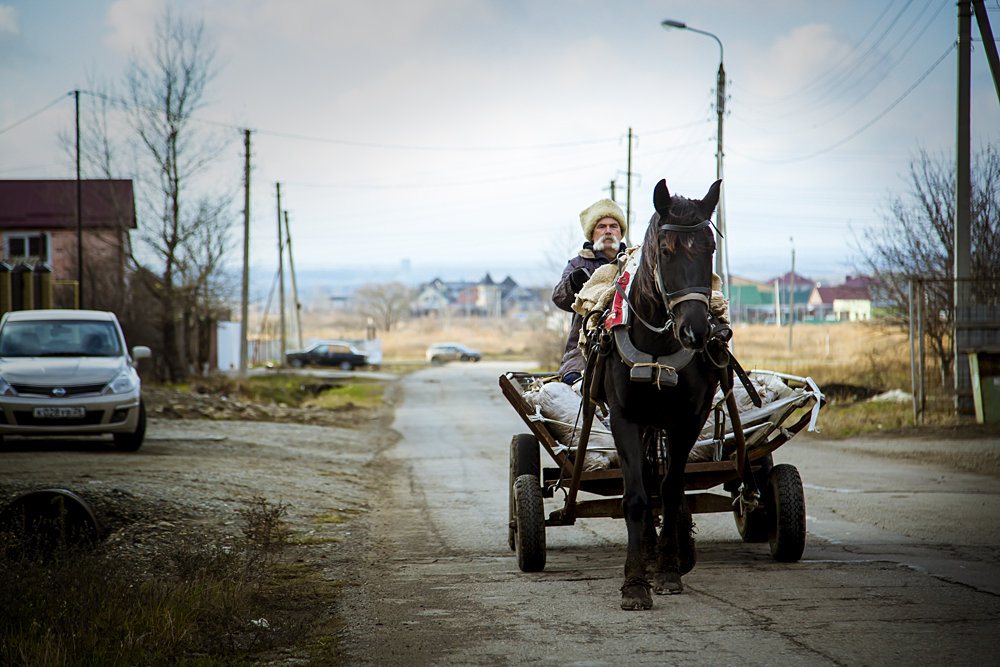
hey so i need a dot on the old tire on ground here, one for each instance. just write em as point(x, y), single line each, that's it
point(786, 509)
point(129, 442)
point(530, 531)
point(753, 526)
point(524, 460)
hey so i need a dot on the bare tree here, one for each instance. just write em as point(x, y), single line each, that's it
point(915, 242)
point(183, 234)
point(387, 303)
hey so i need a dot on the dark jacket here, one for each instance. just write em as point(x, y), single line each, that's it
point(563, 296)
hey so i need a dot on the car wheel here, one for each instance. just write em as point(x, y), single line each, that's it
point(437, 361)
point(346, 366)
point(129, 442)
point(296, 363)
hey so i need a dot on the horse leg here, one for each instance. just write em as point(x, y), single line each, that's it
point(636, 509)
point(650, 478)
point(676, 550)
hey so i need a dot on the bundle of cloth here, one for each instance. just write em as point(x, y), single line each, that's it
point(559, 406)
point(770, 388)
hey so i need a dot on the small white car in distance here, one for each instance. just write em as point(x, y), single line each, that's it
point(439, 353)
point(69, 372)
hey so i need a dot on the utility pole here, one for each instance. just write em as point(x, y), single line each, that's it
point(612, 189)
point(963, 208)
point(295, 288)
point(989, 44)
point(722, 259)
point(281, 285)
point(79, 210)
point(791, 297)
point(245, 296)
point(777, 302)
point(628, 192)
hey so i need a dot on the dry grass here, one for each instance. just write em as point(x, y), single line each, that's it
point(409, 340)
point(870, 355)
point(849, 361)
point(197, 599)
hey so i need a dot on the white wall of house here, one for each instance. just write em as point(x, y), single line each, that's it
point(852, 310)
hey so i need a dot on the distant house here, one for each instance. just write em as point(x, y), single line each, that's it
point(484, 298)
point(750, 301)
point(793, 292)
point(38, 227)
point(850, 302)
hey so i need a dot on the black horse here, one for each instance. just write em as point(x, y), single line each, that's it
point(659, 383)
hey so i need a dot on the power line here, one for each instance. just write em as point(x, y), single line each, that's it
point(36, 113)
point(874, 120)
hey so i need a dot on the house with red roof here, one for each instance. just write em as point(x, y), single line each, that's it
point(849, 302)
point(38, 234)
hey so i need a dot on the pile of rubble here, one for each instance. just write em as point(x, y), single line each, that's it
point(168, 403)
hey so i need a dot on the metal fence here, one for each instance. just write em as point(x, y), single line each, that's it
point(975, 327)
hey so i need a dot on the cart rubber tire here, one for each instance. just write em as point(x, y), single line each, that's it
point(524, 460)
point(786, 509)
point(530, 531)
point(753, 526)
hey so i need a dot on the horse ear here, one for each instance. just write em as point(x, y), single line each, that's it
point(711, 200)
point(661, 197)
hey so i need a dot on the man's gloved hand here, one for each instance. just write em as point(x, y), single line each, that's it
point(578, 277)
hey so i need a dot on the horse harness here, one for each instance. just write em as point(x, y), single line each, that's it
point(614, 329)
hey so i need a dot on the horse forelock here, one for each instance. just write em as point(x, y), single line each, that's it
point(662, 243)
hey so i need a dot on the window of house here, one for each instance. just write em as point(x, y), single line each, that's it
point(21, 246)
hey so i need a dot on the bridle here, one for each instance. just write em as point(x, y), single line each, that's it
point(671, 299)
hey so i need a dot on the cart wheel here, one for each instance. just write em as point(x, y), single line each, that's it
point(786, 506)
point(753, 525)
point(524, 460)
point(530, 530)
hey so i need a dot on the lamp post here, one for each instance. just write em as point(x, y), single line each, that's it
point(721, 267)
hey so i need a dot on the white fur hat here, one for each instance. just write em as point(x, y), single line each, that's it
point(605, 208)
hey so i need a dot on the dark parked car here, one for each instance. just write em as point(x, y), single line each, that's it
point(327, 353)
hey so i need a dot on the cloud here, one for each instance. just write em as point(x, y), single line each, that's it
point(9, 25)
point(131, 22)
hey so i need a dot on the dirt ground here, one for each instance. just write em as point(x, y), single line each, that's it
point(205, 461)
point(208, 457)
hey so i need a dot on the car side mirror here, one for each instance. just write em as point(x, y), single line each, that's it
point(141, 352)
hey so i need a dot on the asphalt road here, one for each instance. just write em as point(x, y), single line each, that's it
point(901, 563)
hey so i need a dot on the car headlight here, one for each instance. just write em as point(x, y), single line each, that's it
point(6, 389)
point(126, 381)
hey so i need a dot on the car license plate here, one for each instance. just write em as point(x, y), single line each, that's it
point(58, 413)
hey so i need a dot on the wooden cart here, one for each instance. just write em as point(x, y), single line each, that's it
point(778, 520)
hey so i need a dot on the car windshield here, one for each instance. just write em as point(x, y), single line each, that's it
point(60, 338)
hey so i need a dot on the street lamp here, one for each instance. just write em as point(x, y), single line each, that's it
point(720, 107)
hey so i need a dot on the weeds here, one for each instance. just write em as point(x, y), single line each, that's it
point(198, 600)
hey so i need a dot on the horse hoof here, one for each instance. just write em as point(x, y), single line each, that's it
point(636, 597)
point(667, 583)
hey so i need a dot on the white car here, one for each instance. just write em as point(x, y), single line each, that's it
point(69, 372)
point(439, 353)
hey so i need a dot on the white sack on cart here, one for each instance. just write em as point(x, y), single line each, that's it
point(560, 406)
point(770, 388)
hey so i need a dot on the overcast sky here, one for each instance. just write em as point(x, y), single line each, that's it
point(465, 136)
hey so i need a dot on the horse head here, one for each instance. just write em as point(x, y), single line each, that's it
point(680, 236)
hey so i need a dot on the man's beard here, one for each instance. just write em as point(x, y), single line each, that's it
point(606, 242)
